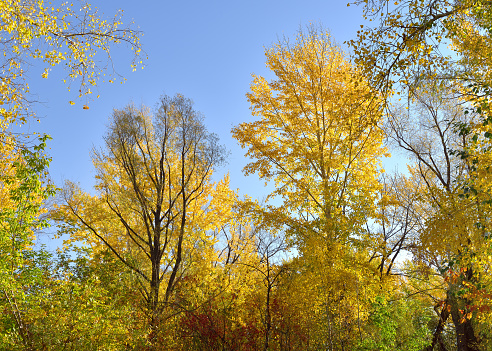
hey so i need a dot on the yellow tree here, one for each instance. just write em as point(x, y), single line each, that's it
point(449, 229)
point(412, 38)
point(154, 193)
point(31, 30)
point(449, 43)
point(77, 38)
point(317, 138)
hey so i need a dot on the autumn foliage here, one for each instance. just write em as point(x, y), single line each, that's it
point(341, 255)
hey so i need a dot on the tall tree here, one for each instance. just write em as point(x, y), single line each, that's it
point(447, 236)
point(154, 185)
point(317, 138)
point(447, 42)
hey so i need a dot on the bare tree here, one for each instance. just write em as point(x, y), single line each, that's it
point(270, 250)
point(399, 223)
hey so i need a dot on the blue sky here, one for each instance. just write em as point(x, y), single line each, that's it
point(205, 50)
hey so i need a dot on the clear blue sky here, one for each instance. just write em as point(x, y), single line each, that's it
point(205, 50)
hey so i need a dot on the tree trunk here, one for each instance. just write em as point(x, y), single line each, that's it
point(154, 300)
point(443, 317)
point(465, 335)
point(268, 318)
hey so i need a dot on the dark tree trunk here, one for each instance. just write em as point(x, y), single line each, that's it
point(268, 318)
point(465, 335)
point(466, 339)
point(443, 317)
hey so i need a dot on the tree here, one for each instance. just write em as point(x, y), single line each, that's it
point(447, 237)
point(402, 54)
point(24, 189)
point(154, 185)
point(30, 30)
point(397, 222)
point(317, 138)
point(76, 37)
point(86, 303)
point(317, 149)
point(267, 268)
point(397, 324)
point(411, 39)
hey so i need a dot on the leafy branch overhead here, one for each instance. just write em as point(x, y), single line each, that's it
point(77, 38)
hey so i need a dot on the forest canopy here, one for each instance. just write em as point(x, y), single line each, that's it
point(342, 254)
